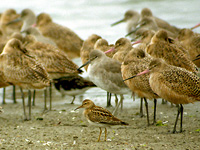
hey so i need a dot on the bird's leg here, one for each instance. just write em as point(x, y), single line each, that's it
point(174, 130)
point(50, 96)
point(29, 103)
point(121, 100)
point(164, 101)
point(73, 100)
point(108, 99)
point(146, 104)
point(45, 99)
point(4, 94)
point(99, 134)
point(105, 134)
point(141, 108)
point(181, 110)
point(23, 103)
point(14, 95)
point(116, 100)
point(154, 116)
point(33, 103)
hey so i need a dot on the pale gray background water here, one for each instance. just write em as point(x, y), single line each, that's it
point(86, 17)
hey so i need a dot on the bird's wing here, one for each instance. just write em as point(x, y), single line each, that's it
point(101, 115)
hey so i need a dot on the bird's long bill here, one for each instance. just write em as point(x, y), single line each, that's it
point(132, 31)
point(88, 62)
point(78, 108)
point(13, 21)
point(139, 74)
point(118, 22)
point(136, 42)
point(110, 50)
point(196, 58)
point(196, 26)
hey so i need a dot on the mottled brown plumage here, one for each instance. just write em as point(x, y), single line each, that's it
point(190, 41)
point(65, 38)
point(135, 62)
point(56, 62)
point(160, 47)
point(174, 84)
point(87, 47)
point(99, 116)
point(22, 69)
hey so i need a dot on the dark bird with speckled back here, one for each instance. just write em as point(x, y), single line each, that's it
point(72, 85)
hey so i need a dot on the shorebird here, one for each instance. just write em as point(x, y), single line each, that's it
point(99, 116)
point(174, 84)
point(105, 72)
point(160, 47)
point(55, 62)
point(72, 85)
point(149, 23)
point(66, 40)
point(132, 18)
point(146, 12)
point(190, 41)
point(87, 47)
point(121, 48)
point(27, 16)
point(21, 69)
point(135, 62)
point(7, 16)
point(144, 39)
point(146, 23)
point(103, 45)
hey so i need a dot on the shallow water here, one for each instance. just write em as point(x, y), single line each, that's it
point(86, 17)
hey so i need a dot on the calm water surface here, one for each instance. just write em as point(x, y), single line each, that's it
point(86, 17)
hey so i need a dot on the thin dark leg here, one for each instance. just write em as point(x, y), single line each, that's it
point(23, 103)
point(14, 95)
point(29, 104)
point(105, 134)
point(121, 100)
point(4, 96)
point(45, 99)
point(33, 103)
point(108, 99)
point(141, 108)
point(154, 116)
point(73, 100)
point(116, 100)
point(50, 96)
point(174, 130)
point(146, 104)
point(181, 110)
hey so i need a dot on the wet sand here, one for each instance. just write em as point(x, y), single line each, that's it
point(60, 126)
